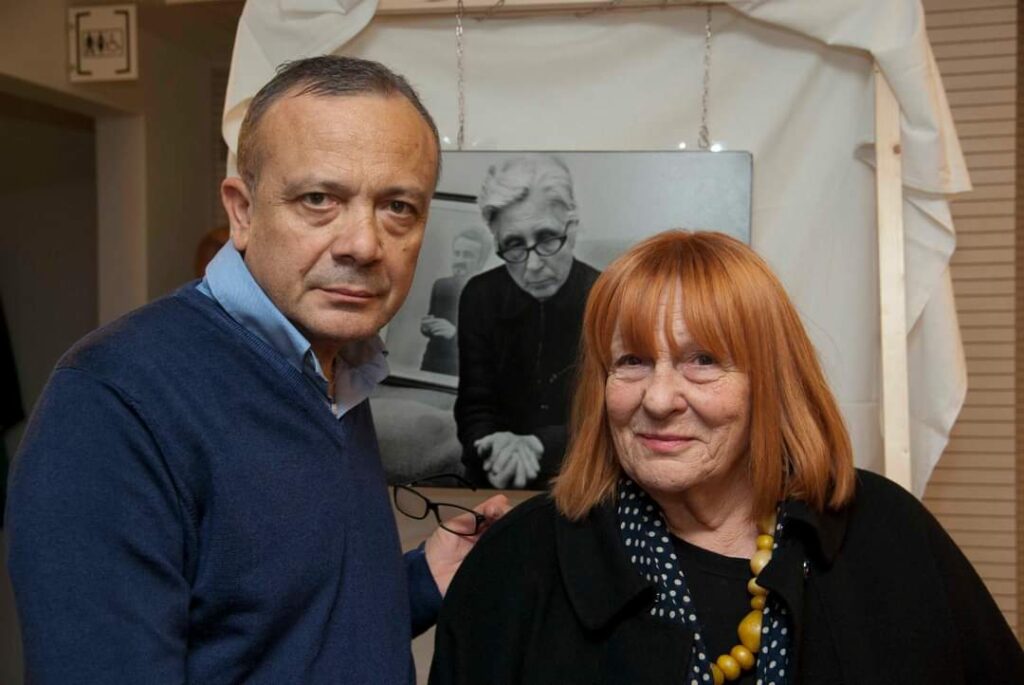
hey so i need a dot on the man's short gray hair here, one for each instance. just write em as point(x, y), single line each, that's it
point(513, 179)
point(325, 75)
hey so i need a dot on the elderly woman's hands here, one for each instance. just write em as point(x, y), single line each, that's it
point(510, 457)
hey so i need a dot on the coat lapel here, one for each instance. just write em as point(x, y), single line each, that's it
point(609, 597)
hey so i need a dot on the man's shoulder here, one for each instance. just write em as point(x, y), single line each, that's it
point(141, 337)
point(447, 284)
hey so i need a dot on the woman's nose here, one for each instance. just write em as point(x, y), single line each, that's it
point(666, 392)
point(534, 261)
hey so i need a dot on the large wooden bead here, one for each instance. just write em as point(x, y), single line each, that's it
point(755, 589)
point(765, 541)
point(730, 667)
point(743, 656)
point(759, 560)
point(766, 524)
point(717, 674)
point(749, 631)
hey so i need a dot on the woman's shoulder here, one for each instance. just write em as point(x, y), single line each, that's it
point(516, 554)
point(521, 526)
point(882, 498)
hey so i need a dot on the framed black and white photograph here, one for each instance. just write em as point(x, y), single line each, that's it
point(421, 341)
point(482, 354)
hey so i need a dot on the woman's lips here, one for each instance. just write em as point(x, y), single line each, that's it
point(664, 443)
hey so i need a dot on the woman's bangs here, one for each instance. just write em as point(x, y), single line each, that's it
point(708, 310)
point(638, 307)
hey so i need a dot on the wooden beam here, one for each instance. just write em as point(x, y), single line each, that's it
point(892, 284)
point(519, 7)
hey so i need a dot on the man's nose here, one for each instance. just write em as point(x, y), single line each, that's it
point(357, 235)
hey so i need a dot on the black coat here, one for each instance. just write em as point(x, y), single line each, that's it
point(517, 361)
point(886, 598)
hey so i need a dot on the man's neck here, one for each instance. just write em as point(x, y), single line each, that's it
point(326, 355)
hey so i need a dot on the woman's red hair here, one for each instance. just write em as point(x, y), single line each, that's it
point(736, 308)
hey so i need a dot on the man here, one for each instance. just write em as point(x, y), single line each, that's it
point(199, 496)
point(519, 327)
point(469, 252)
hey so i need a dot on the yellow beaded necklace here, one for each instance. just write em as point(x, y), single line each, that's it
point(743, 656)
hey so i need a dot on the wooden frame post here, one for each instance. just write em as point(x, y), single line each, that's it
point(892, 287)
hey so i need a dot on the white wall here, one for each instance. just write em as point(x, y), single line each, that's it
point(48, 274)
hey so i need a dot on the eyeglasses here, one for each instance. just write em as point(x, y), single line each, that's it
point(417, 505)
point(546, 247)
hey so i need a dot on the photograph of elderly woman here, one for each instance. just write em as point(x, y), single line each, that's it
point(483, 352)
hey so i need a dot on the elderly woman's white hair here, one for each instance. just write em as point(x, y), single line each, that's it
point(513, 179)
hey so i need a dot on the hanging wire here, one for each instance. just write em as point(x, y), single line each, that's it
point(460, 51)
point(704, 139)
point(492, 11)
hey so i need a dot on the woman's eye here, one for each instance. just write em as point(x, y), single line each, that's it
point(629, 360)
point(703, 359)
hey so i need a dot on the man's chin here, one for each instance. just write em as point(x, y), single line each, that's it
point(342, 327)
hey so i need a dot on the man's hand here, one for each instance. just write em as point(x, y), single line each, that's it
point(436, 327)
point(445, 550)
point(510, 457)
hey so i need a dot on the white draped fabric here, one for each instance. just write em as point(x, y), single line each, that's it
point(790, 81)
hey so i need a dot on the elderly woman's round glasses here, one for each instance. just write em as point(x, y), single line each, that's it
point(416, 505)
point(545, 247)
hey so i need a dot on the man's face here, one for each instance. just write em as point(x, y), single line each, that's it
point(466, 257)
point(337, 216)
point(524, 224)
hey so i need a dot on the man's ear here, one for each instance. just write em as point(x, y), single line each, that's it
point(238, 203)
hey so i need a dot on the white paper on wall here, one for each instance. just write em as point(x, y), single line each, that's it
point(791, 82)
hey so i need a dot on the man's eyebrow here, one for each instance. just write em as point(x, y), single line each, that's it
point(312, 184)
point(407, 191)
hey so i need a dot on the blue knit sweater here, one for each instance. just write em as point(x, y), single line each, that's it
point(185, 509)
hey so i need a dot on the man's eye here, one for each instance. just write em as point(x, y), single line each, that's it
point(400, 207)
point(315, 199)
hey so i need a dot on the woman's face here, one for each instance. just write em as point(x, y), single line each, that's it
point(526, 223)
point(677, 421)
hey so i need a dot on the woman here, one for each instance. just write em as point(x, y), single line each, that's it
point(707, 523)
point(519, 327)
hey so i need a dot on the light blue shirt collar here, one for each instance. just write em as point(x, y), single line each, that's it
point(358, 369)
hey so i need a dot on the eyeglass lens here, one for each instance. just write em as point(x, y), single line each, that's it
point(445, 514)
point(544, 248)
point(411, 503)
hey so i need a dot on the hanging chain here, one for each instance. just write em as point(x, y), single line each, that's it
point(460, 51)
point(704, 141)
